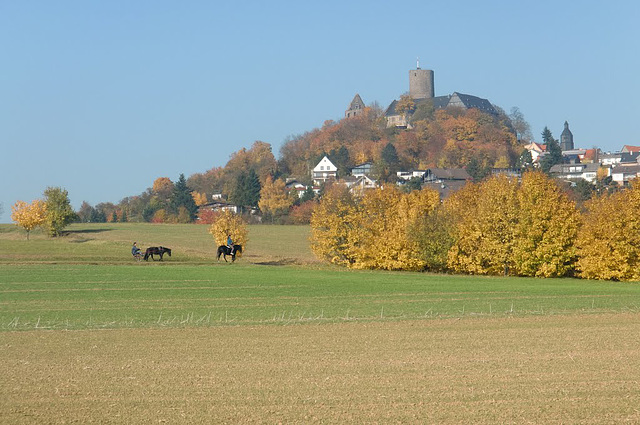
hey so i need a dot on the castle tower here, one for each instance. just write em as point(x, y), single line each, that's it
point(566, 138)
point(355, 108)
point(421, 83)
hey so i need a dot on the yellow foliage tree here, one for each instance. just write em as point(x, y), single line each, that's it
point(609, 241)
point(372, 232)
point(547, 228)
point(29, 216)
point(485, 232)
point(199, 198)
point(332, 222)
point(502, 227)
point(274, 199)
point(230, 223)
point(384, 222)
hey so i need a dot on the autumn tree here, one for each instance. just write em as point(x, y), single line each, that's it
point(229, 223)
point(609, 242)
point(59, 211)
point(274, 200)
point(331, 224)
point(301, 214)
point(29, 216)
point(487, 214)
point(504, 227)
point(200, 198)
point(163, 188)
point(432, 234)
point(546, 230)
point(371, 232)
point(384, 220)
point(405, 105)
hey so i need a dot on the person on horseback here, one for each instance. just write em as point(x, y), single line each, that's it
point(230, 244)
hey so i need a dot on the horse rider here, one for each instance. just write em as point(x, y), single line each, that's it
point(230, 244)
point(135, 251)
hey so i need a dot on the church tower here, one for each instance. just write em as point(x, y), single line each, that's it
point(421, 83)
point(566, 138)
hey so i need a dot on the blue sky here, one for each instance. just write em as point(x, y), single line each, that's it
point(101, 98)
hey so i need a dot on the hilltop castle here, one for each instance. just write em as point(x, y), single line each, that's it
point(422, 91)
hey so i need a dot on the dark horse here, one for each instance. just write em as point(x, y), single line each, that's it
point(225, 250)
point(156, 250)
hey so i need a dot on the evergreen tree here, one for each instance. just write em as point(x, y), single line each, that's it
point(554, 152)
point(252, 189)
point(340, 158)
point(123, 219)
point(181, 197)
point(307, 195)
point(246, 192)
point(390, 156)
point(476, 170)
point(114, 217)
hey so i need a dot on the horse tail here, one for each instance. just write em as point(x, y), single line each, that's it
point(146, 255)
point(219, 253)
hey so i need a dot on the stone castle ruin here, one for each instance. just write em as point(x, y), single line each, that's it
point(422, 91)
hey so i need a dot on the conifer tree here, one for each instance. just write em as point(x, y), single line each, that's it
point(181, 197)
point(554, 152)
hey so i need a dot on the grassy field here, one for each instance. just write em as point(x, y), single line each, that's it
point(89, 335)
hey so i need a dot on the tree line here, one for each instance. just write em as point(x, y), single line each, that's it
point(500, 226)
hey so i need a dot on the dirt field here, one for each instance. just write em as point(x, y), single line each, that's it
point(553, 369)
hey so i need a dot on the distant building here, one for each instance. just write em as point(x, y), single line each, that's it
point(362, 169)
point(324, 171)
point(356, 107)
point(358, 183)
point(624, 173)
point(422, 91)
point(630, 149)
point(537, 150)
point(566, 138)
point(577, 171)
point(618, 158)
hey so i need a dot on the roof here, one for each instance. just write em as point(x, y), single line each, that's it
point(450, 173)
point(454, 100)
point(356, 103)
point(629, 148)
point(470, 101)
point(325, 162)
point(566, 131)
point(445, 189)
point(584, 168)
point(626, 169)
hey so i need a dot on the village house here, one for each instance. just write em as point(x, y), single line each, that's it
point(324, 171)
point(575, 171)
point(624, 173)
point(358, 183)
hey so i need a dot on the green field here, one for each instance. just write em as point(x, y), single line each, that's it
point(87, 334)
